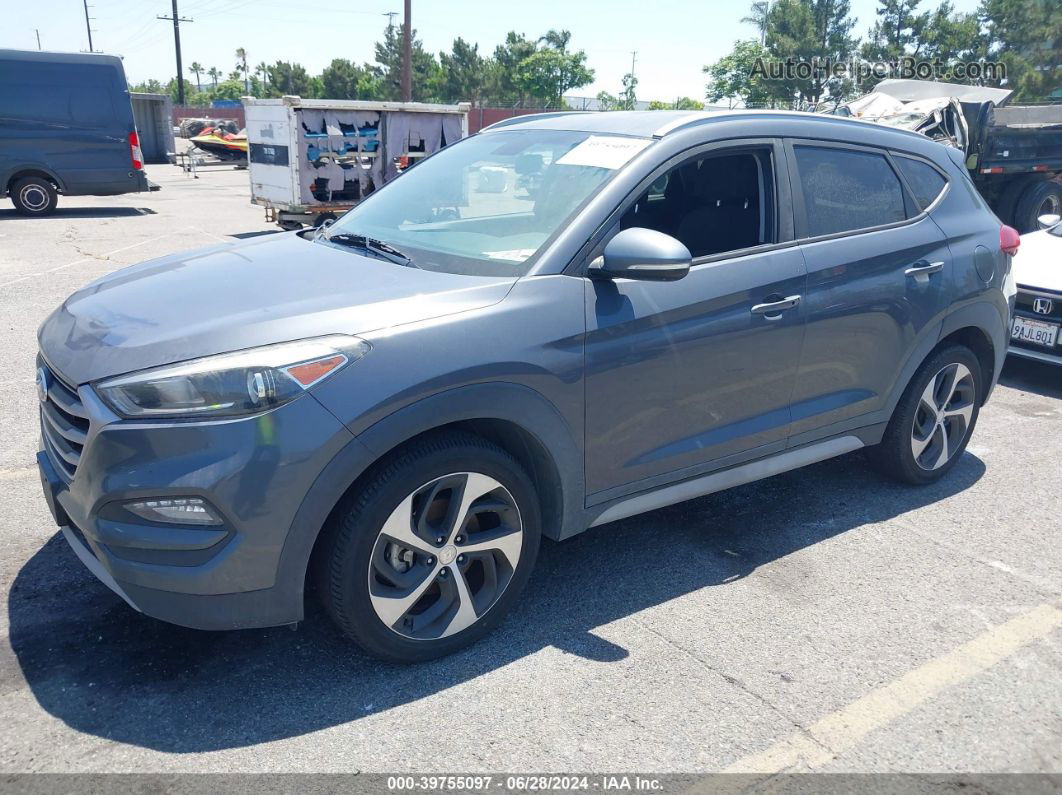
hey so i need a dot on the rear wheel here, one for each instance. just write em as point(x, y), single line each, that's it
point(434, 550)
point(34, 196)
point(933, 421)
point(1040, 198)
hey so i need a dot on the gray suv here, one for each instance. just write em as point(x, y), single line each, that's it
point(562, 321)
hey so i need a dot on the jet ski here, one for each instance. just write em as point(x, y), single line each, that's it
point(224, 146)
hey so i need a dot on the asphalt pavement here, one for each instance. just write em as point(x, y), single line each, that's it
point(823, 620)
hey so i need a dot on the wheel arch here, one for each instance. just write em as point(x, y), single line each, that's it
point(19, 172)
point(517, 418)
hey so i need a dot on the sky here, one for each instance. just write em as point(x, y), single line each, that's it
point(674, 39)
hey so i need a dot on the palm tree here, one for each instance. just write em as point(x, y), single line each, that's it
point(241, 64)
point(758, 16)
point(557, 39)
point(196, 69)
point(263, 71)
point(214, 73)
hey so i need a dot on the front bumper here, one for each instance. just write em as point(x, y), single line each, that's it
point(255, 472)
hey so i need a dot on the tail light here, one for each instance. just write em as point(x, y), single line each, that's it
point(134, 151)
point(1009, 240)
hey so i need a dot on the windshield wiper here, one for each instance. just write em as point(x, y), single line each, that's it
point(371, 245)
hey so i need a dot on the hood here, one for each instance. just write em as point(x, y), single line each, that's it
point(266, 290)
point(1038, 263)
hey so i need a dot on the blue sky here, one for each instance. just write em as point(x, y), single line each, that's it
point(674, 38)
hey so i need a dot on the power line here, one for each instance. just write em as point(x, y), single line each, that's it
point(176, 19)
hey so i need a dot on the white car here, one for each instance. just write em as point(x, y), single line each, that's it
point(1034, 332)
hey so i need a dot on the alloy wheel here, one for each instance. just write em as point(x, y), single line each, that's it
point(445, 556)
point(943, 417)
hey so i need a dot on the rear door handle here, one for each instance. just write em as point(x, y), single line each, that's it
point(923, 268)
point(773, 309)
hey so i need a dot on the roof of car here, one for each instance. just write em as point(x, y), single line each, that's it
point(652, 123)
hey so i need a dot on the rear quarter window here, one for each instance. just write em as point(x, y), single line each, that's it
point(925, 182)
point(846, 190)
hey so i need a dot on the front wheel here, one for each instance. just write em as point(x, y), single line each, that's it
point(934, 419)
point(434, 550)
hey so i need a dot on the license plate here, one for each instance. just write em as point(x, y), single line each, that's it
point(1034, 331)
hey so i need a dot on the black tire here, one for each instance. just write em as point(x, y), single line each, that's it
point(289, 226)
point(35, 197)
point(1038, 199)
point(895, 455)
point(348, 556)
point(324, 219)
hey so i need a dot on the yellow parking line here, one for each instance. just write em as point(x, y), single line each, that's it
point(848, 726)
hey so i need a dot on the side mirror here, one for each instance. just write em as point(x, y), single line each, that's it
point(1049, 220)
point(645, 254)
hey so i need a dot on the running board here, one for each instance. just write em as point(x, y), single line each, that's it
point(728, 478)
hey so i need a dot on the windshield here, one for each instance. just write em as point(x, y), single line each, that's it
point(488, 205)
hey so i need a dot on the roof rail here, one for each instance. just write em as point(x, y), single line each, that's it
point(524, 117)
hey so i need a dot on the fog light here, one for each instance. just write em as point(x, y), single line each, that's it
point(179, 510)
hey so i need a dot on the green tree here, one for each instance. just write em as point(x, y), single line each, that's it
point(465, 72)
point(171, 89)
point(734, 76)
point(899, 30)
point(214, 74)
point(290, 79)
point(343, 79)
point(229, 89)
point(812, 31)
point(505, 85)
point(241, 66)
point(607, 101)
point(262, 73)
point(427, 75)
point(630, 97)
point(197, 69)
point(1026, 36)
point(552, 70)
point(682, 103)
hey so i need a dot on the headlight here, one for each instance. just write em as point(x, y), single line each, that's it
point(231, 384)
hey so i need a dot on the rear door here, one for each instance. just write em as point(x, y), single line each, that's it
point(687, 376)
point(877, 282)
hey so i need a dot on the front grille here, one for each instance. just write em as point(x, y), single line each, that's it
point(1026, 300)
point(64, 423)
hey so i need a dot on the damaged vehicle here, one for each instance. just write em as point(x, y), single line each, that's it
point(1012, 152)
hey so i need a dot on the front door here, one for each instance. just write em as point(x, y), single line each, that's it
point(687, 376)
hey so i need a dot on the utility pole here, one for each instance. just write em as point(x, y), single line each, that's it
point(38, 32)
point(88, 26)
point(390, 18)
point(407, 54)
point(177, 20)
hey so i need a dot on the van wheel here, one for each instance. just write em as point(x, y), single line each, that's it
point(34, 196)
point(433, 550)
point(934, 419)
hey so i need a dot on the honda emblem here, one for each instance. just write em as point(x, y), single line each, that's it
point(1043, 306)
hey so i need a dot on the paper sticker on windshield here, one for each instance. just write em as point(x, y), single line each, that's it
point(604, 151)
point(513, 255)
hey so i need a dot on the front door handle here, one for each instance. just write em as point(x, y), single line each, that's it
point(773, 309)
point(923, 268)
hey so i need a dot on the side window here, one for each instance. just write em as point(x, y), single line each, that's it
point(846, 190)
point(924, 180)
point(712, 203)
